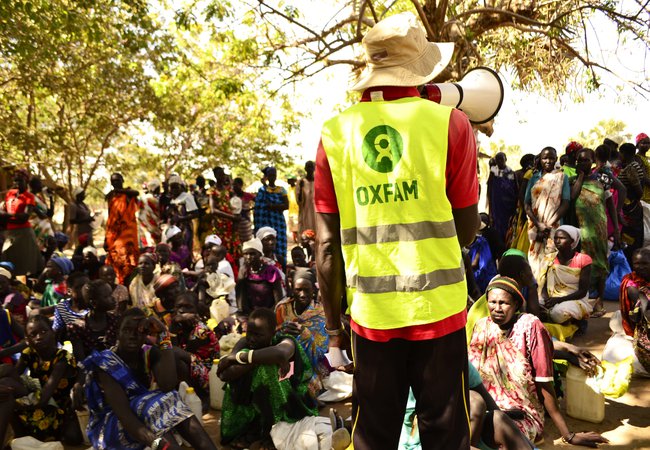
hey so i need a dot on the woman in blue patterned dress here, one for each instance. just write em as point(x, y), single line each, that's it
point(303, 318)
point(124, 412)
point(270, 203)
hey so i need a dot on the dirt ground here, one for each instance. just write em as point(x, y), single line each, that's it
point(627, 419)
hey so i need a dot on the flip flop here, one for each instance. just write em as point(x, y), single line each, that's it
point(596, 313)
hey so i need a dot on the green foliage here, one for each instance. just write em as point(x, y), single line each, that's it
point(611, 128)
point(90, 87)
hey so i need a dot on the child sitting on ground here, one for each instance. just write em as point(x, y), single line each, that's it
point(197, 345)
point(40, 405)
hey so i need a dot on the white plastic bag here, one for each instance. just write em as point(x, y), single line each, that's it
point(30, 443)
point(310, 433)
point(338, 387)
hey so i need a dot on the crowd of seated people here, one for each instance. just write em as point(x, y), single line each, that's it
point(118, 335)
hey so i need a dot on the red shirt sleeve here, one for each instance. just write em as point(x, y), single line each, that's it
point(462, 179)
point(324, 193)
point(540, 348)
point(30, 199)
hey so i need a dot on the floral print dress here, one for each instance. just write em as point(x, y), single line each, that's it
point(203, 356)
point(46, 422)
point(511, 363)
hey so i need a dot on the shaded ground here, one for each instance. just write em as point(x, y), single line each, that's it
point(627, 419)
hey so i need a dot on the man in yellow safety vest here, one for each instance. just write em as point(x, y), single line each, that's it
point(396, 196)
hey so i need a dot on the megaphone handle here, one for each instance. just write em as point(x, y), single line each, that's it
point(432, 92)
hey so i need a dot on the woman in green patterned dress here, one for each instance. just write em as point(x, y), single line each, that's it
point(590, 201)
point(269, 380)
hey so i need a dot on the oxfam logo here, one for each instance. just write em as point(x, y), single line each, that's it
point(382, 148)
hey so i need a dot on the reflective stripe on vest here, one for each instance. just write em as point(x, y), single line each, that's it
point(402, 257)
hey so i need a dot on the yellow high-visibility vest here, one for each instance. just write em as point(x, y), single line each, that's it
point(402, 258)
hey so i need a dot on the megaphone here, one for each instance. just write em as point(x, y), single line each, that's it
point(479, 94)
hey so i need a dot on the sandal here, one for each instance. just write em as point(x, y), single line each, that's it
point(598, 312)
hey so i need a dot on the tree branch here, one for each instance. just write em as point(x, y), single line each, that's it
point(425, 21)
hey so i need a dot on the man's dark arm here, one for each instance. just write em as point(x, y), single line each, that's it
point(467, 222)
point(329, 268)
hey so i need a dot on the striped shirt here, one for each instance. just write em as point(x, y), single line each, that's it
point(64, 315)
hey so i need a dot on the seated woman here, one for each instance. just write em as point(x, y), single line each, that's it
point(141, 289)
point(635, 291)
point(125, 412)
point(565, 285)
point(166, 266)
point(512, 352)
point(48, 414)
point(259, 284)
point(513, 264)
point(11, 299)
point(197, 346)
point(98, 329)
point(214, 290)
point(301, 317)
point(119, 292)
point(51, 283)
point(12, 337)
point(269, 380)
point(167, 289)
point(73, 309)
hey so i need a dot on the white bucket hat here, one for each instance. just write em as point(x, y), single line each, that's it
point(398, 54)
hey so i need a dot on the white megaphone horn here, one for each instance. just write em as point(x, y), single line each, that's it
point(479, 94)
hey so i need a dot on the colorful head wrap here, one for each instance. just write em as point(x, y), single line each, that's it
point(264, 232)
point(64, 264)
point(573, 147)
point(8, 265)
point(61, 238)
point(515, 252)
point(83, 239)
point(507, 284)
point(309, 234)
point(573, 232)
point(640, 137)
point(254, 244)
point(162, 282)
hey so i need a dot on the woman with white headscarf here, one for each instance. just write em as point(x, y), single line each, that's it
point(565, 285)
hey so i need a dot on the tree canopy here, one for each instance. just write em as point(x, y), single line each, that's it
point(89, 87)
point(145, 86)
point(548, 45)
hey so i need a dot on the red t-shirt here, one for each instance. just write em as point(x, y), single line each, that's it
point(17, 203)
point(462, 191)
